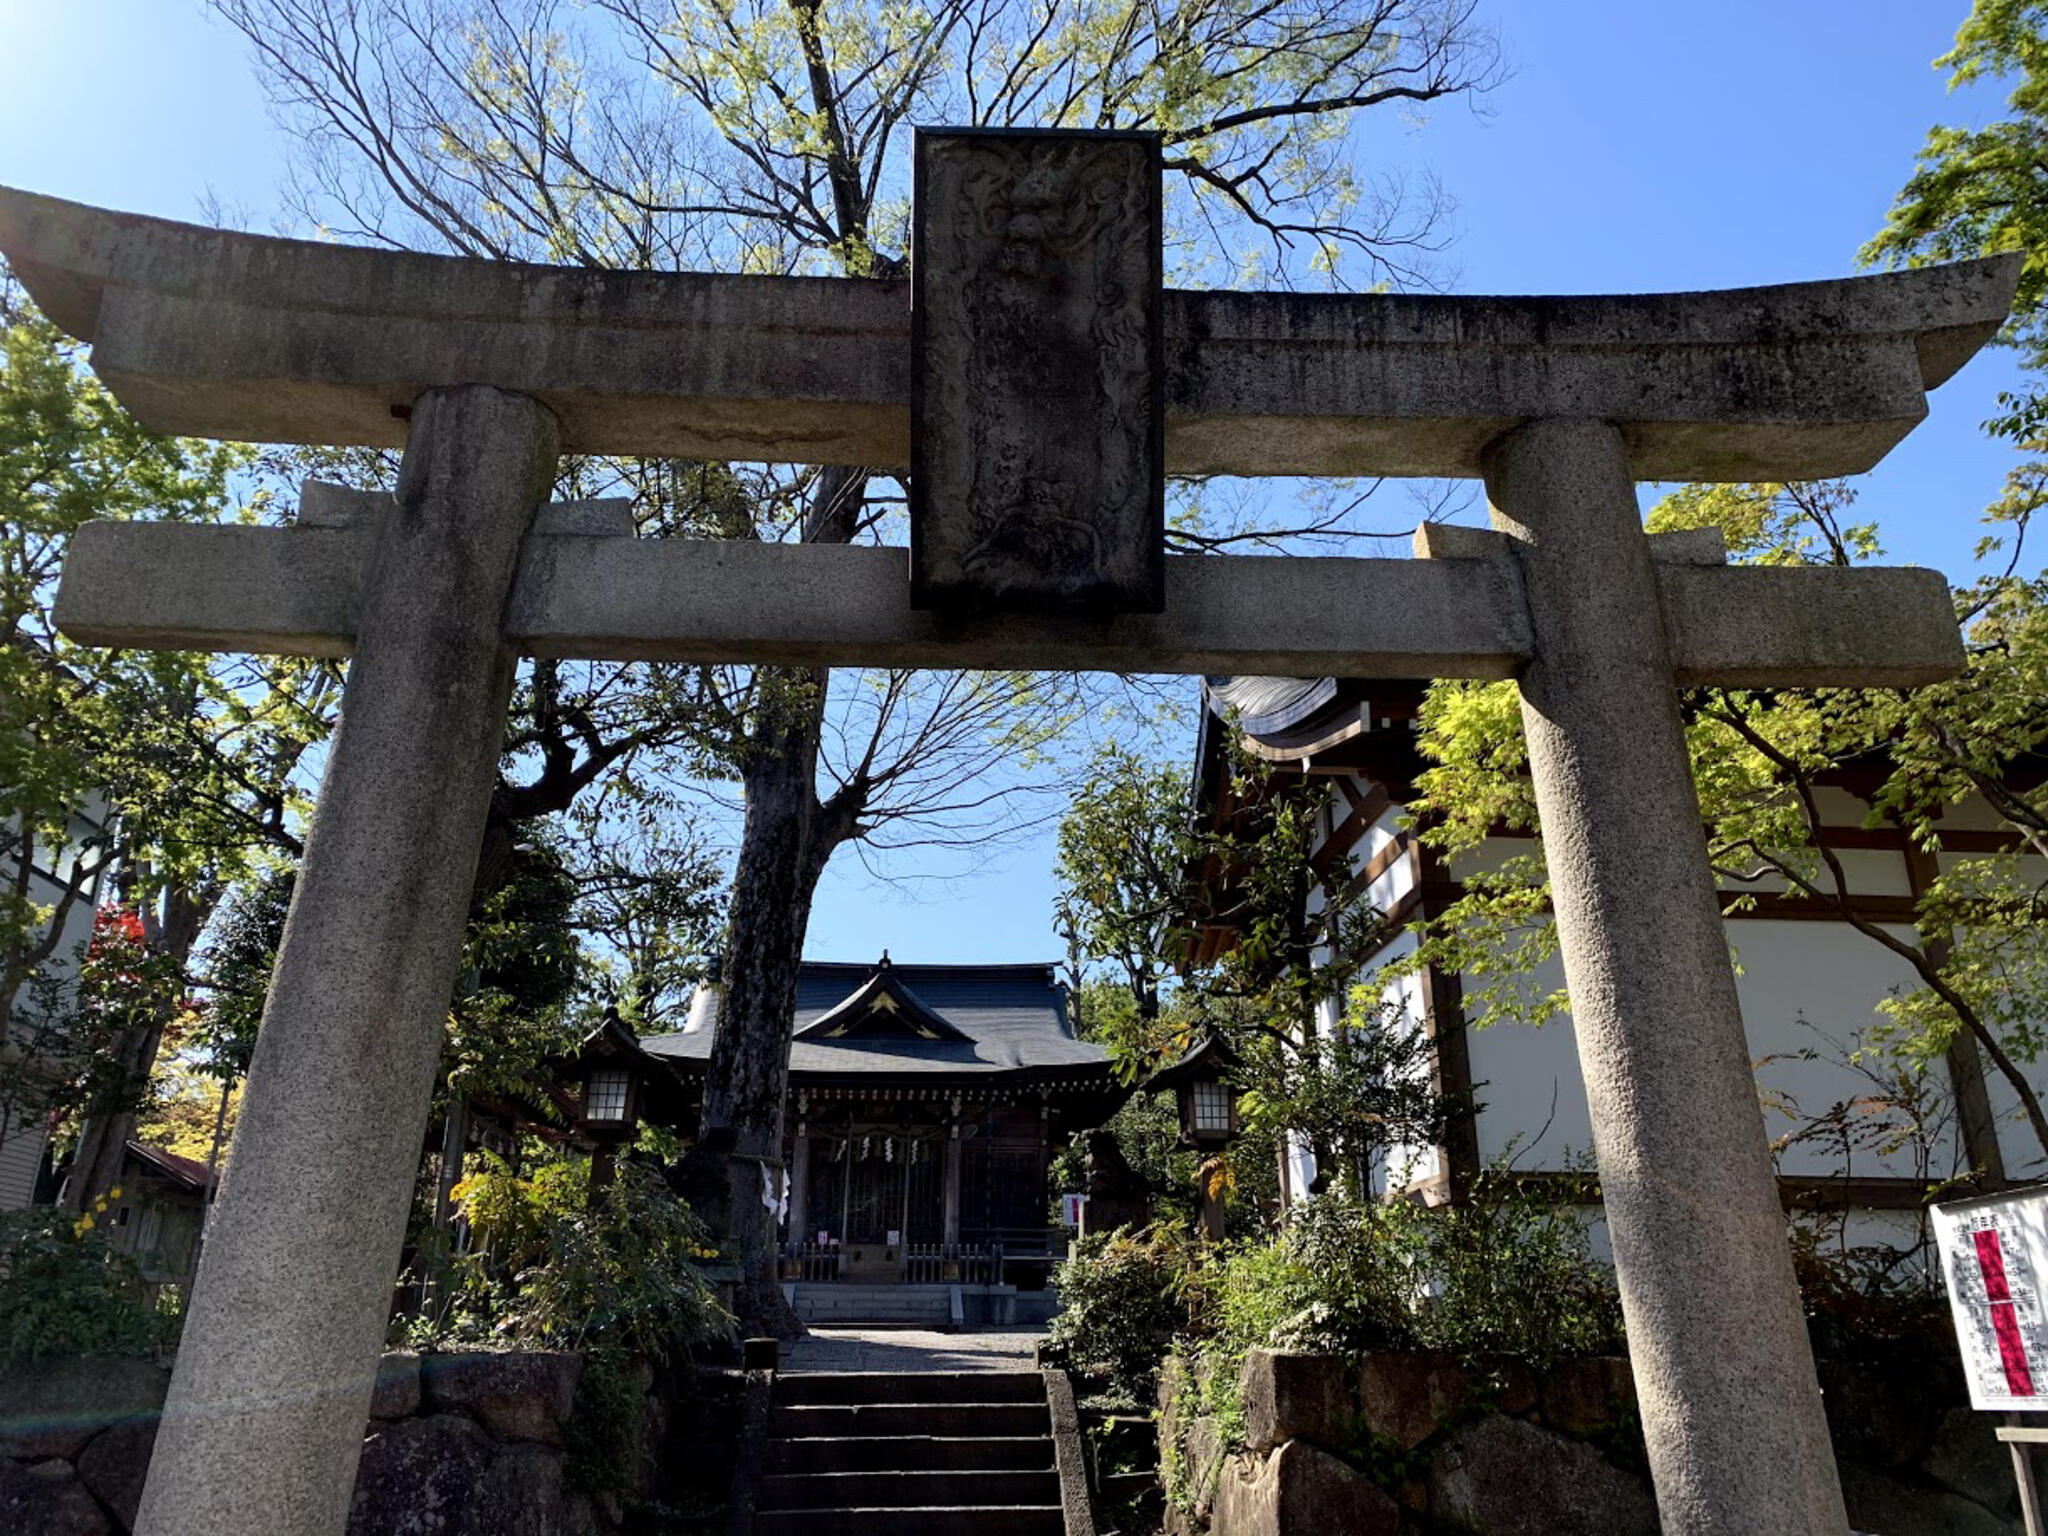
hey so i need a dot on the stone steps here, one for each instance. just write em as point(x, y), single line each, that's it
point(951, 1420)
point(884, 1306)
point(818, 1389)
point(911, 1489)
point(900, 1520)
point(941, 1453)
point(937, 1453)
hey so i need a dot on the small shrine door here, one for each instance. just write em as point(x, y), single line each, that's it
point(877, 1193)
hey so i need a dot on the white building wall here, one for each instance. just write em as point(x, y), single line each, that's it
point(21, 1145)
point(1408, 1009)
point(1809, 992)
point(21, 1155)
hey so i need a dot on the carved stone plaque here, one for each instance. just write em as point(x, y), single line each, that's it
point(1037, 422)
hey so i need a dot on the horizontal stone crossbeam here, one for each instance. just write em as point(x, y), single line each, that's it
point(249, 337)
point(297, 591)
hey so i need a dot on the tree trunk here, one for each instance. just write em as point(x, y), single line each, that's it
point(784, 844)
point(104, 1136)
point(787, 837)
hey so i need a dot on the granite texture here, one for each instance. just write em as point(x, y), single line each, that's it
point(1797, 381)
point(277, 1367)
point(1724, 1376)
point(53, 1407)
point(296, 591)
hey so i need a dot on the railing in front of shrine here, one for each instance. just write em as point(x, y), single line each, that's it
point(815, 1263)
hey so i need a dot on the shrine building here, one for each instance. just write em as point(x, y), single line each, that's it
point(925, 1104)
point(1812, 987)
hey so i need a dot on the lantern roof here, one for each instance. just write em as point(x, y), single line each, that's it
point(1209, 1060)
point(613, 1043)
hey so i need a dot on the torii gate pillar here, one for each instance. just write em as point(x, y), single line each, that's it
point(1723, 1371)
point(265, 1419)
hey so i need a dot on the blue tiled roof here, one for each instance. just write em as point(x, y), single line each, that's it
point(1014, 1018)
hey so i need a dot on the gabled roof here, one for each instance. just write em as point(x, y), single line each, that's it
point(187, 1172)
point(881, 1008)
point(1211, 1057)
point(966, 1021)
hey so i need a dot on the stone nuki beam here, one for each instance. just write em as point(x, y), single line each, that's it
point(247, 337)
point(296, 591)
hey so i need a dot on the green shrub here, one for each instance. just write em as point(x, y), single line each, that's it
point(1510, 1273)
point(553, 1269)
point(65, 1291)
point(1123, 1299)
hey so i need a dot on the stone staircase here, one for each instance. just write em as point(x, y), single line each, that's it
point(875, 1306)
point(909, 1454)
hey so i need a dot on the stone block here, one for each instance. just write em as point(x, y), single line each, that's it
point(54, 1407)
point(1878, 1501)
point(1454, 541)
point(519, 1494)
point(522, 1395)
point(1967, 1458)
point(47, 1499)
point(1506, 1477)
point(1405, 1396)
point(417, 1477)
point(1175, 1381)
point(397, 1393)
point(1875, 1416)
point(1581, 1397)
point(1506, 1384)
point(1301, 1489)
point(1206, 1449)
point(1288, 1396)
point(114, 1465)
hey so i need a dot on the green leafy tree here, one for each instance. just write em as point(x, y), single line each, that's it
point(771, 137)
point(1763, 761)
point(1321, 1054)
point(1121, 859)
point(1978, 191)
point(151, 781)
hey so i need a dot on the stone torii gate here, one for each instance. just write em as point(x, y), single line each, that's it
point(1025, 556)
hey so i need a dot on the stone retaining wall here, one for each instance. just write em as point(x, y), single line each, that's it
point(468, 1444)
point(1416, 1444)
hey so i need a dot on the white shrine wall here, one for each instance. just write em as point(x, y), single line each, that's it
point(1811, 989)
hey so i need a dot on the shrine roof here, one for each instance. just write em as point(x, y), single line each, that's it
point(994, 1020)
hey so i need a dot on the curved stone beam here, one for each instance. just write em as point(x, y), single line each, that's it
point(217, 334)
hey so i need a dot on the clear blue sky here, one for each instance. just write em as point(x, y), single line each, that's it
point(1639, 145)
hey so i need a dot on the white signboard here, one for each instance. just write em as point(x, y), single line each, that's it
point(1070, 1209)
point(1994, 1255)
